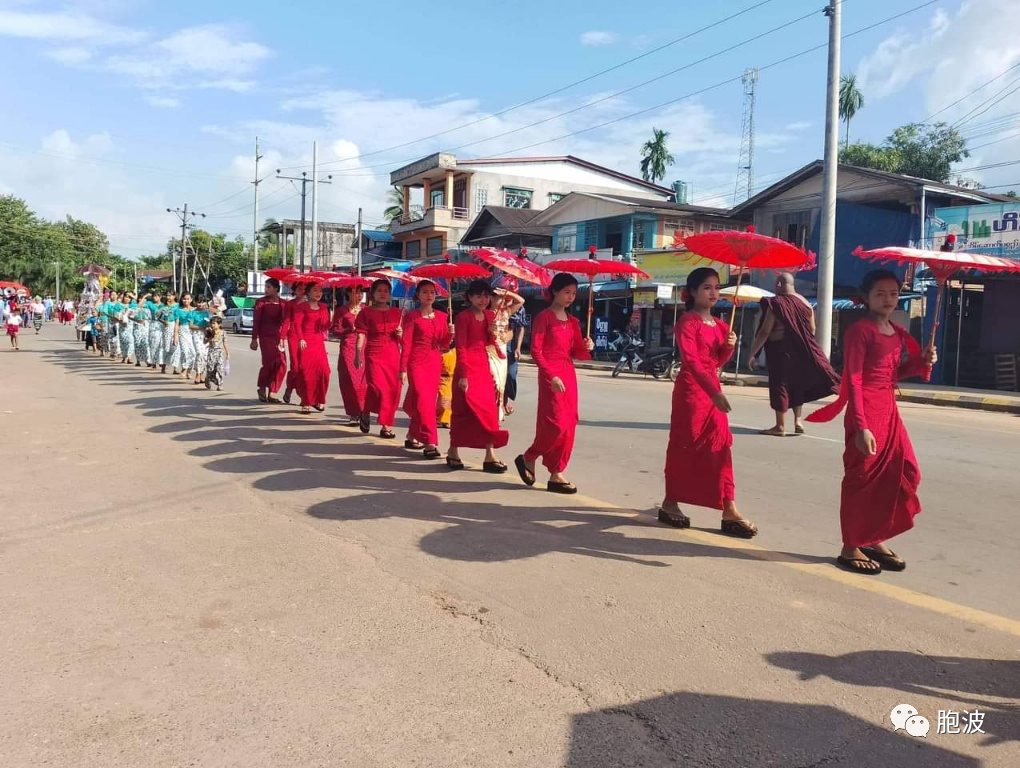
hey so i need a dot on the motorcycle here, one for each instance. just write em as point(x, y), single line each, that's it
point(659, 365)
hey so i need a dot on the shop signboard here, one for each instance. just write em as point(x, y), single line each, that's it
point(991, 230)
point(673, 267)
point(601, 333)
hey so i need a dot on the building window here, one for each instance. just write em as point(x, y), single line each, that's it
point(481, 198)
point(436, 198)
point(412, 249)
point(517, 198)
point(591, 235)
point(434, 246)
point(555, 197)
point(566, 239)
point(641, 235)
point(723, 228)
point(793, 227)
point(671, 225)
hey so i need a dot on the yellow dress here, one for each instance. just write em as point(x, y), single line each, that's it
point(444, 405)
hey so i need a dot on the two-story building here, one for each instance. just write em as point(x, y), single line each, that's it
point(454, 191)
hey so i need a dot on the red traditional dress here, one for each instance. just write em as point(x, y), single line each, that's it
point(475, 419)
point(290, 336)
point(555, 344)
point(878, 499)
point(423, 344)
point(382, 361)
point(312, 326)
point(699, 464)
point(352, 380)
point(266, 327)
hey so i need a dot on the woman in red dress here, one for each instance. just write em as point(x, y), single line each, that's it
point(311, 327)
point(556, 341)
point(878, 499)
point(427, 335)
point(265, 333)
point(352, 380)
point(379, 333)
point(294, 374)
point(699, 464)
point(475, 420)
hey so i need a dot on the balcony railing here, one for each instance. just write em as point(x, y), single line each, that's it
point(437, 216)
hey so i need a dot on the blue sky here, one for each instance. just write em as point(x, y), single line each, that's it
point(118, 109)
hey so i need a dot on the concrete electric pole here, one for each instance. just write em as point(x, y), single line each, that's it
point(827, 238)
point(180, 276)
point(255, 241)
point(303, 178)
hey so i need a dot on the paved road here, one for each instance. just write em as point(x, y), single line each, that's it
point(327, 599)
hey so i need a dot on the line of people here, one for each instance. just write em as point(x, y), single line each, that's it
point(382, 348)
point(158, 334)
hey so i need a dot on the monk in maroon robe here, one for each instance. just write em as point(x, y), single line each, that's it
point(799, 371)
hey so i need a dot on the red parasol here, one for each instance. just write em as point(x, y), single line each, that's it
point(92, 269)
point(279, 273)
point(515, 266)
point(591, 267)
point(347, 281)
point(449, 270)
point(747, 250)
point(943, 264)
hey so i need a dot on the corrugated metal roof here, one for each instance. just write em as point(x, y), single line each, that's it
point(379, 235)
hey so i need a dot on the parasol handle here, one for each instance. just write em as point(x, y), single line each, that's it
point(591, 291)
point(736, 298)
point(938, 312)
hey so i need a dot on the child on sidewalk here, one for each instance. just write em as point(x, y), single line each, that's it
point(217, 354)
point(13, 326)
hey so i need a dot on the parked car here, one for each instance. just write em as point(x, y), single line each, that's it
point(238, 320)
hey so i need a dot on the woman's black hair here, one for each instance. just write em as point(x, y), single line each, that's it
point(376, 284)
point(273, 282)
point(560, 281)
point(876, 276)
point(423, 284)
point(694, 282)
point(478, 288)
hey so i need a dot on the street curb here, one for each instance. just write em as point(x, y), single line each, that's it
point(988, 403)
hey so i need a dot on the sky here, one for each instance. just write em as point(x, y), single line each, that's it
point(115, 110)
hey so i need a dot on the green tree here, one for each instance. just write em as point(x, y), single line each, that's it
point(655, 156)
point(851, 101)
point(395, 205)
point(915, 149)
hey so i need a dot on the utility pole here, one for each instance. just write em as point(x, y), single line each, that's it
point(255, 242)
point(827, 241)
point(315, 205)
point(359, 242)
point(57, 264)
point(303, 178)
point(183, 214)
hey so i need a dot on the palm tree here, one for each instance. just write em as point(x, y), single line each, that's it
point(851, 100)
point(395, 209)
point(656, 157)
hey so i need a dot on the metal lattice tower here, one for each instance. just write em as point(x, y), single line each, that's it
point(745, 166)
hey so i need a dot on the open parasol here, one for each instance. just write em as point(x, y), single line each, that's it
point(943, 264)
point(449, 270)
point(515, 266)
point(591, 267)
point(746, 250)
point(280, 273)
point(4, 284)
point(92, 269)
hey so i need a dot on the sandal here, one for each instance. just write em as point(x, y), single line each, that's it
point(772, 432)
point(798, 430)
point(527, 476)
point(556, 487)
point(305, 409)
point(855, 564)
point(674, 519)
point(286, 396)
point(273, 400)
point(413, 445)
point(494, 467)
point(741, 529)
point(320, 408)
point(431, 453)
point(387, 434)
point(889, 561)
point(454, 463)
point(365, 423)
point(263, 398)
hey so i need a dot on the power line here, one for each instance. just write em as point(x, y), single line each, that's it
point(972, 93)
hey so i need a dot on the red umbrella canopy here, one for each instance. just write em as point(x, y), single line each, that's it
point(450, 271)
point(280, 272)
point(942, 263)
point(514, 265)
point(746, 249)
point(591, 266)
point(388, 273)
point(348, 281)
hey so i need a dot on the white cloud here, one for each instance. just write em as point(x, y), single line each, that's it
point(163, 102)
point(952, 60)
point(798, 126)
point(597, 37)
point(65, 26)
point(71, 55)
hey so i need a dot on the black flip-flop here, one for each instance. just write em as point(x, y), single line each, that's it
point(889, 562)
point(679, 520)
point(556, 487)
point(413, 445)
point(494, 467)
point(847, 563)
point(741, 529)
point(386, 434)
point(527, 476)
point(431, 453)
point(365, 423)
point(454, 463)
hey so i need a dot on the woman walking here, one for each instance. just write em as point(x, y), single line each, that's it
point(156, 358)
point(699, 463)
point(294, 374)
point(266, 330)
point(126, 329)
point(556, 341)
point(352, 380)
point(167, 318)
point(378, 350)
point(197, 324)
point(311, 322)
point(139, 322)
point(878, 499)
point(475, 419)
point(184, 347)
point(427, 334)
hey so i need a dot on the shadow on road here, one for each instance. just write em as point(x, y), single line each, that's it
point(692, 729)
